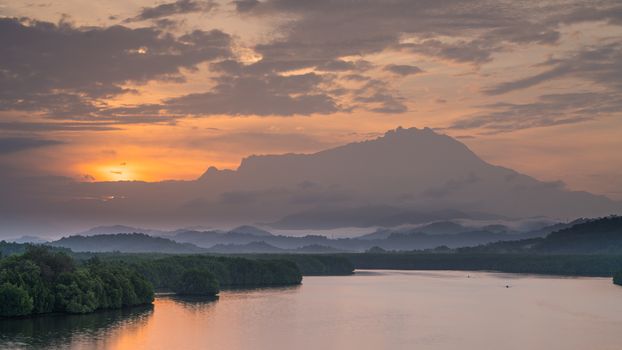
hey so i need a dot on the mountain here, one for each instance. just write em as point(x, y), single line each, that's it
point(248, 248)
point(435, 228)
point(30, 239)
point(250, 230)
point(406, 176)
point(125, 243)
point(599, 236)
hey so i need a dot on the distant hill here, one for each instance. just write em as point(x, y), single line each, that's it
point(250, 230)
point(599, 236)
point(114, 229)
point(317, 249)
point(435, 228)
point(252, 247)
point(30, 239)
point(126, 243)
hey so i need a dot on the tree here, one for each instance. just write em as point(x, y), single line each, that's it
point(14, 301)
point(197, 282)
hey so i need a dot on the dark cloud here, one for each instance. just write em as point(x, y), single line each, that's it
point(342, 66)
point(473, 51)
point(388, 103)
point(173, 8)
point(62, 70)
point(16, 144)
point(600, 65)
point(403, 69)
point(68, 72)
point(547, 110)
point(376, 96)
point(329, 29)
point(258, 95)
point(245, 5)
point(62, 126)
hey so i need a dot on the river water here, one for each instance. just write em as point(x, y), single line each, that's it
point(370, 310)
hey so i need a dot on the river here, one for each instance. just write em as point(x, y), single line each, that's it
point(369, 310)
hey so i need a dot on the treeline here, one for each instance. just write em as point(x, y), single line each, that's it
point(42, 281)
point(598, 236)
point(314, 265)
point(204, 274)
point(568, 265)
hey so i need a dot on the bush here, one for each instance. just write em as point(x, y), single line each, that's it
point(41, 281)
point(14, 301)
point(197, 282)
point(617, 279)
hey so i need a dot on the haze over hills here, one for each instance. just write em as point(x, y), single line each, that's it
point(406, 176)
point(249, 239)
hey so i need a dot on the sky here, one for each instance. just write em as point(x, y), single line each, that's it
point(114, 91)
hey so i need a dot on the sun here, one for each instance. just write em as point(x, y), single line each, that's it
point(116, 172)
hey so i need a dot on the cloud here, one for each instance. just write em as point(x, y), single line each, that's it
point(259, 142)
point(402, 69)
point(600, 65)
point(173, 8)
point(62, 126)
point(258, 95)
point(547, 110)
point(245, 5)
point(326, 30)
point(17, 144)
point(64, 71)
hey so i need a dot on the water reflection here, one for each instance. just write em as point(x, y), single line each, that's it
point(193, 303)
point(433, 310)
point(70, 331)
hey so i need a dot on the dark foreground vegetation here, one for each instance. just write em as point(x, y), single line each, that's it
point(40, 281)
point(617, 279)
point(314, 265)
point(203, 274)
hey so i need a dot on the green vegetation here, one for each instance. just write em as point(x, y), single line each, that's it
point(41, 281)
point(314, 265)
point(197, 282)
point(599, 236)
point(172, 272)
point(126, 242)
point(617, 278)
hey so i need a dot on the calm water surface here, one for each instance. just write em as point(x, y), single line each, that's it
point(370, 310)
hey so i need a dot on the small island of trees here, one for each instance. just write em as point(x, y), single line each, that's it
point(40, 281)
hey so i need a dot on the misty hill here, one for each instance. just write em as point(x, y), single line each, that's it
point(114, 229)
point(30, 239)
point(435, 228)
point(600, 236)
point(239, 235)
point(250, 230)
point(390, 239)
point(252, 247)
point(125, 243)
point(265, 248)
